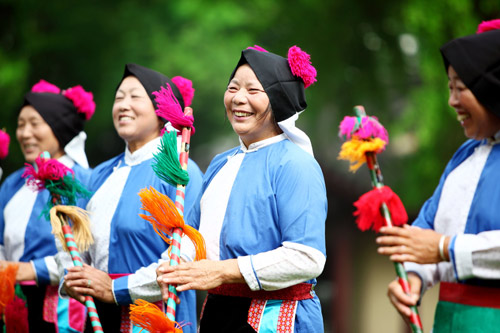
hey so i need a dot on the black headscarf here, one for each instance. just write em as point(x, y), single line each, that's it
point(286, 92)
point(60, 114)
point(151, 81)
point(476, 59)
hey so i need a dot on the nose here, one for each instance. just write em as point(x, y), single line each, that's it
point(240, 97)
point(24, 132)
point(123, 103)
point(454, 100)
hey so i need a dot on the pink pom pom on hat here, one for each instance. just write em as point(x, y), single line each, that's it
point(4, 144)
point(300, 64)
point(488, 26)
point(45, 87)
point(83, 100)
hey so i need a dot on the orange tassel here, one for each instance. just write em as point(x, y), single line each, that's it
point(355, 149)
point(165, 217)
point(149, 317)
point(7, 285)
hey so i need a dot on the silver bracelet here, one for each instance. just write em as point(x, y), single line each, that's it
point(441, 248)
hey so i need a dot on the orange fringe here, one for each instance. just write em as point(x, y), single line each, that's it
point(355, 149)
point(149, 317)
point(7, 285)
point(165, 218)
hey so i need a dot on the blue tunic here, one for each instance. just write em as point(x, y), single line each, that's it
point(268, 206)
point(124, 243)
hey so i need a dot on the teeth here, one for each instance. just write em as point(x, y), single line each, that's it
point(241, 114)
point(462, 117)
point(125, 118)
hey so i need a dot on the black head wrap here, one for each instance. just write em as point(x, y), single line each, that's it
point(60, 114)
point(476, 59)
point(286, 92)
point(151, 81)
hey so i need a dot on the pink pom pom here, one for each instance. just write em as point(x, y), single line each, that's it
point(257, 48)
point(488, 25)
point(45, 87)
point(4, 144)
point(186, 89)
point(170, 109)
point(48, 170)
point(300, 64)
point(83, 100)
point(362, 127)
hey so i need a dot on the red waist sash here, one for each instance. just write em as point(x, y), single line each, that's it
point(297, 292)
point(469, 295)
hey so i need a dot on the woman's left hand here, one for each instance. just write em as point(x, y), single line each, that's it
point(90, 281)
point(411, 244)
point(25, 271)
point(199, 275)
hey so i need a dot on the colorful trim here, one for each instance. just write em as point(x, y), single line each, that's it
point(469, 295)
point(297, 292)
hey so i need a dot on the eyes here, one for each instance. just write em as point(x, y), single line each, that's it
point(252, 91)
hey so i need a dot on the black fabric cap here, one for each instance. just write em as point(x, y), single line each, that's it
point(151, 81)
point(60, 114)
point(476, 59)
point(285, 91)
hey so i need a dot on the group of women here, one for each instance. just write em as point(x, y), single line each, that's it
point(261, 207)
point(270, 189)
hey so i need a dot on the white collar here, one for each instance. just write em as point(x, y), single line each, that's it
point(142, 154)
point(67, 161)
point(261, 144)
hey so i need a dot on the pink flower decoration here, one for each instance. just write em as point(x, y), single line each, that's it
point(257, 48)
point(170, 109)
point(363, 128)
point(83, 100)
point(4, 144)
point(48, 170)
point(45, 87)
point(185, 87)
point(300, 64)
point(488, 25)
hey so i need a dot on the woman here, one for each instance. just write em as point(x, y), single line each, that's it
point(126, 250)
point(50, 120)
point(263, 207)
point(454, 239)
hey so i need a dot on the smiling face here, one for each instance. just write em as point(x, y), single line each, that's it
point(35, 135)
point(248, 108)
point(478, 123)
point(134, 115)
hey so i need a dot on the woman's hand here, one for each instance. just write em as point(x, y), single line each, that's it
point(25, 270)
point(411, 244)
point(400, 300)
point(90, 281)
point(198, 275)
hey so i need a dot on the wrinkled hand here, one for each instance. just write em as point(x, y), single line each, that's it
point(411, 244)
point(400, 300)
point(198, 275)
point(90, 281)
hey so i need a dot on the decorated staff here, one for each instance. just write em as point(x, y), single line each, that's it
point(365, 137)
point(167, 217)
point(64, 191)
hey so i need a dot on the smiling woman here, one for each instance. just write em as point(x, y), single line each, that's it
point(126, 248)
point(50, 120)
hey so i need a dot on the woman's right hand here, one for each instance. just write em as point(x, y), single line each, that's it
point(400, 300)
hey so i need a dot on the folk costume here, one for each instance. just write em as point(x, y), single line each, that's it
point(126, 246)
point(25, 234)
point(464, 205)
point(266, 206)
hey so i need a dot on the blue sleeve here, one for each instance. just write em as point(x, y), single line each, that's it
point(302, 203)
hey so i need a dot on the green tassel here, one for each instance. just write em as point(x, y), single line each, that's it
point(166, 163)
point(64, 191)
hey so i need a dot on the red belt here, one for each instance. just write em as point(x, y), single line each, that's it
point(469, 295)
point(294, 293)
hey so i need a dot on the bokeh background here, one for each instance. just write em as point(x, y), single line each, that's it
point(380, 54)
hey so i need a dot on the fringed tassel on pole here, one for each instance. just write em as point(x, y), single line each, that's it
point(369, 206)
point(355, 151)
point(166, 163)
point(165, 217)
point(7, 285)
point(149, 317)
point(80, 225)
